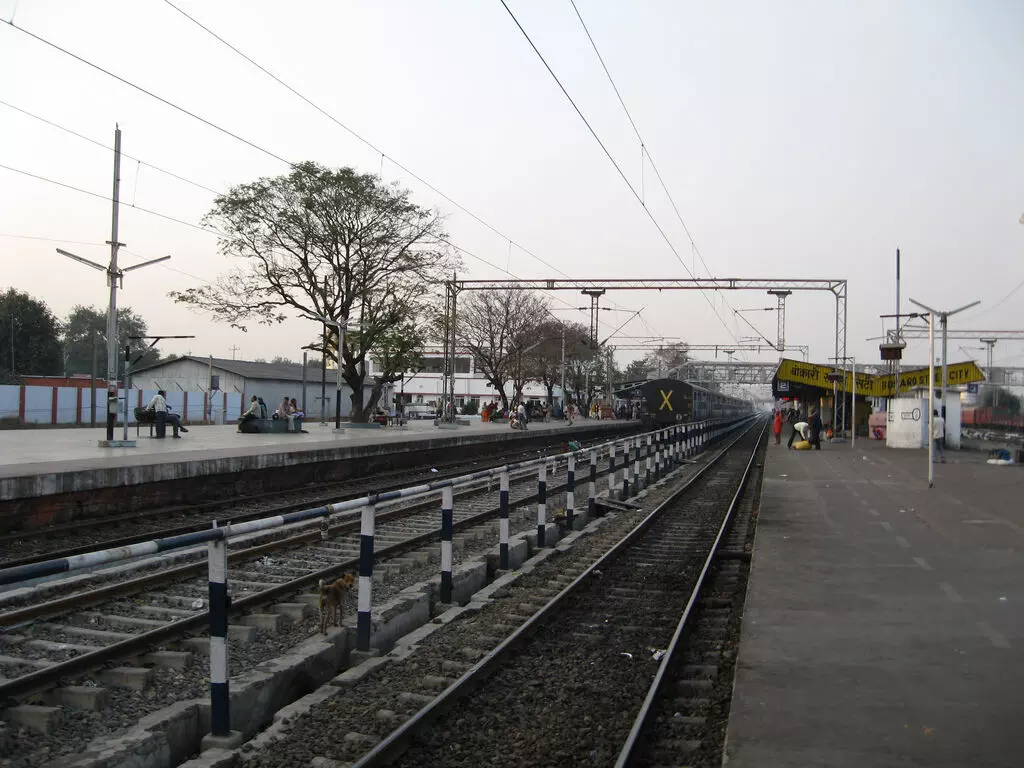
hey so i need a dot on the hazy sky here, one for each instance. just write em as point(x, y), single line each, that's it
point(798, 139)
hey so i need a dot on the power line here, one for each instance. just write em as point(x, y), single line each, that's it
point(611, 159)
point(50, 239)
point(217, 128)
point(107, 198)
point(363, 139)
point(108, 147)
point(643, 145)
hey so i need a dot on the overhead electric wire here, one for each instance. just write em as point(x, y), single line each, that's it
point(51, 239)
point(215, 127)
point(611, 159)
point(363, 139)
point(643, 147)
point(107, 198)
point(108, 147)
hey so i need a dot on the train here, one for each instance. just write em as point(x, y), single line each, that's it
point(991, 417)
point(663, 402)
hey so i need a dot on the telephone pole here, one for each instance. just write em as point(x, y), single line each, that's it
point(114, 276)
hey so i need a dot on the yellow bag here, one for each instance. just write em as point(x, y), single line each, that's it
point(803, 445)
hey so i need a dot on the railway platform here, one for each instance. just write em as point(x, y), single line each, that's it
point(883, 619)
point(53, 475)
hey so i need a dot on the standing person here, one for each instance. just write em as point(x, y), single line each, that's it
point(570, 413)
point(777, 427)
point(938, 436)
point(815, 425)
point(521, 414)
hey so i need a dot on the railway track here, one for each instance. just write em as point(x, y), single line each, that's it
point(575, 681)
point(153, 617)
point(36, 545)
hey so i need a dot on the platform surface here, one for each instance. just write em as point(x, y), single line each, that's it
point(41, 451)
point(883, 624)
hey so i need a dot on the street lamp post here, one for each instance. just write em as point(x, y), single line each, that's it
point(341, 325)
point(944, 323)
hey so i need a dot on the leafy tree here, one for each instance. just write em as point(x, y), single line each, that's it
point(497, 327)
point(333, 243)
point(1002, 398)
point(279, 360)
point(544, 362)
point(86, 323)
point(637, 370)
point(29, 338)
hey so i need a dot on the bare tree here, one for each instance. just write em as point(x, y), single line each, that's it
point(333, 243)
point(544, 362)
point(496, 326)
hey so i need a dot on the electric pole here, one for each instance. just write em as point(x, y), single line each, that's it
point(114, 276)
point(944, 324)
point(993, 392)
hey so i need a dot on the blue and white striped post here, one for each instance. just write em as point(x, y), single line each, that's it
point(592, 492)
point(611, 471)
point(647, 479)
point(542, 505)
point(675, 445)
point(636, 466)
point(503, 506)
point(657, 457)
point(447, 522)
point(367, 528)
point(570, 491)
point(220, 701)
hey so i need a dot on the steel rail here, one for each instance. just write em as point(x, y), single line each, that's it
point(46, 677)
point(59, 565)
point(186, 528)
point(640, 721)
point(396, 742)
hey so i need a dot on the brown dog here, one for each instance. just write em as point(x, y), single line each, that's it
point(332, 597)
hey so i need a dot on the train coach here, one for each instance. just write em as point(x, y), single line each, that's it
point(664, 402)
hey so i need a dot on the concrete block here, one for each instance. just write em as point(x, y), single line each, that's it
point(326, 762)
point(44, 720)
point(272, 622)
point(133, 678)
point(213, 758)
point(297, 611)
point(86, 697)
point(168, 659)
point(232, 740)
point(241, 633)
point(309, 598)
point(200, 645)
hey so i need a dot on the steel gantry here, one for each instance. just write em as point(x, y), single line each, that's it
point(597, 288)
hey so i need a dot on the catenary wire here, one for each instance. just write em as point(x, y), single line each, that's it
point(645, 150)
point(617, 167)
point(200, 119)
point(108, 147)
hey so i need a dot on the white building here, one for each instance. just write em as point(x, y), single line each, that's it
point(424, 387)
point(271, 381)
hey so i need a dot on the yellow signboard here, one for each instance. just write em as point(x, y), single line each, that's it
point(871, 385)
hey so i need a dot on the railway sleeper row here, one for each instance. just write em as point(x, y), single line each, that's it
point(79, 633)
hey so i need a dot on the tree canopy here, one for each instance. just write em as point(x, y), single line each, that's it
point(85, 323)
point(29, 338)
point(333, 243)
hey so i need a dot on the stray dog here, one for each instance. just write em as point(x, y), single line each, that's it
point(332, 597)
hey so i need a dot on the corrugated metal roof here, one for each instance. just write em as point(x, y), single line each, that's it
point(247, 369)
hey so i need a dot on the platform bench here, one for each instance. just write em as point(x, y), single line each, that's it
point(145, 416)
point(270, 426)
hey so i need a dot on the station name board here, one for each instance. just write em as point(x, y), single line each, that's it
point(824, 376)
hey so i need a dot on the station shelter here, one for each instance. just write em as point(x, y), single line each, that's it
point(807, 385)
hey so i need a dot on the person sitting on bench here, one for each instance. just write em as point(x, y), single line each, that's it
point(163, 415)
point(251, 414)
